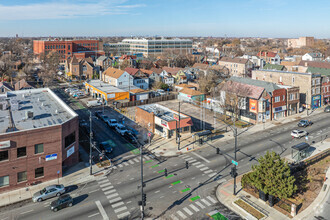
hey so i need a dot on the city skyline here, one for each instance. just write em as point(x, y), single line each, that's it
point(253, 18)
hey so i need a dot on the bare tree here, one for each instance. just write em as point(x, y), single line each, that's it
point(6, 66)
point(50, 63)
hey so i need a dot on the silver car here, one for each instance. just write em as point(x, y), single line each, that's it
point(48, 192)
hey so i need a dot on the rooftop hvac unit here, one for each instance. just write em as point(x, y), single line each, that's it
point(14, 104)
point(28, 114)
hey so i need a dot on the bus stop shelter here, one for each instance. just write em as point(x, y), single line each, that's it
point(202, 136)
point(300, 151)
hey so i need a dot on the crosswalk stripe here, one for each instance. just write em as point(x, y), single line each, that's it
point(208, 171)
point(194, 207)
point(146, 157)
point(120, 165)
point(126, 164)
point(107, 188)
point(123, 215)
point(112, 195)
point(192, 161)
point(185, 156)
point(120, 209)
point(206, 202)
point(105, 184)
point(204, 168)
point(211, 199)
point(174, 217)
point(117, 204)
point(103, 181)
point(189, 158)
point(114, 200)
point(103, 177)
point(136, 160)
point(202, 165)
point(181, 214)
point(114, 167)
point(188, 211)
point(108, 192)
point(131, 162)
point(196, 163)
point(200, 205)
point(212, 174)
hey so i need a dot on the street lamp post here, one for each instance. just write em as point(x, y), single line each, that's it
point(142, 185)
point(90, 143)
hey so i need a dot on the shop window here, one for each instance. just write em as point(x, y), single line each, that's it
point(21, 176)
point(39, 172)
point(4, 155)
point(4, 181)
point(38, 148)
point(70, 139)
point(21, 152)
point(277, 98)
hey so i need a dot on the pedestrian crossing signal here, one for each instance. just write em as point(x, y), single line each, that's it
point(165, 172)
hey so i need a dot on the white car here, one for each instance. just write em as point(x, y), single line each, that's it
point(298, 133)
point(121, 129)
point(112, 123)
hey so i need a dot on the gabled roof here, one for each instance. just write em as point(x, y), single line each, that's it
point(135, 91)
point(113, 72)
point(234, 60)
point(289, 63)
point(22, 84)
point(102, 58)
point(148, 72)
point(266, 54)
point(270, 87)
point(7, 86)
point(185, 86)
point(243, 89)
point(315, 64)
point(315, 55)
point(190, 92)
point(127, 57)
point(322, 71)
point(131, 71)
point(269, 66)
point(172, 70)
point(74, 60)
point(156, 70)
point(200, 66)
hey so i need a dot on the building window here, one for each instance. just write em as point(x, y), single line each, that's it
point(39, 172)
point(38, 148)
point(21, 152)
point(283, 97)
point(4, 181)
point(313, 82)
point(280, 78)
point(291, 96)
point(70, 139)
point(277, 98)
point(186, 128)
point(120, 83)
point(4, 155)
point(293, 80)
point(69, 47)
point(21, 176)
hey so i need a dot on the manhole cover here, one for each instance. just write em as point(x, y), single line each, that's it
point(150, 208)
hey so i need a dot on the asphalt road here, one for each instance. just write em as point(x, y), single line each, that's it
point(184, 194)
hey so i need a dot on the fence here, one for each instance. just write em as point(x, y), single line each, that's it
point(317, 158)
point(147, 101)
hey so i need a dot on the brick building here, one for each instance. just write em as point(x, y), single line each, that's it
point(66, 48)
point(301, 42)
point(39, 138)
point(236, 66)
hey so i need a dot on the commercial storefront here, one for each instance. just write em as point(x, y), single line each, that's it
point(316, 101)
point(279, 112)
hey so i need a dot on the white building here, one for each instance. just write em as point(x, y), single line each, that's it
point(312, 57)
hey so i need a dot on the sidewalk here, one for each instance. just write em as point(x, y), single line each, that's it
point(224, 194)
point(168, 147)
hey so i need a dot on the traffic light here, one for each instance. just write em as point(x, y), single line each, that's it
point(187, 164)
point(218, 150)
point(233, 172)
point(144, 199)
point(165, 172)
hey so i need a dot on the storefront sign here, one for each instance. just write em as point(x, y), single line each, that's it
point(51, 157)
point(176, 116)
point(279, 109)
point(70, 152)
point(164, 123)
point(253, 105)
point(4, 144)
point(316, 97)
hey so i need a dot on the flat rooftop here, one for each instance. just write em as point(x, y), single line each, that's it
point(32, 109)
point(104, 87)
point(162, 112)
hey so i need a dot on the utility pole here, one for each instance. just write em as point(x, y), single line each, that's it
point(179, 129)
point(142, 184)
point(90, 142)
point(235, 133)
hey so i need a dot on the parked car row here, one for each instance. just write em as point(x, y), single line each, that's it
point(75, 92)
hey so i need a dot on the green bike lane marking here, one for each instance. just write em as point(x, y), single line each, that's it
point(161, 171)
point(177, 182)
point(216, 215)
point(132, 149)
point(194, 198)
point(185, 190)
point(148, 161)
point(169, 176)
point(154, 166)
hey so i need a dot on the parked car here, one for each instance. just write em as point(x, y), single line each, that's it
point(298, 133)
point(161, 92)
point(48, 192)
point(327, 109)
point(301, 109)
point(62, 202)
point(104, 118)
point(93, 103)
point(304, 123)
point(84, 126)
point(130, 137)
point(106, 147)
point(98, 114)
point(121, 129)
point(112, 123)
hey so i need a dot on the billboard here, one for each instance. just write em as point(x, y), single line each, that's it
point(253, 105)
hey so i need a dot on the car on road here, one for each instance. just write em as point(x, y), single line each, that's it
point(105, 118)
point(327, 109)
point(304, 123)
point(98, 114)
point(121, 129)
point(112, 123)
point(48, 192)
point(93, 103)
point(62, 202)
point(130, 137)
point(298, 133)
point(106, 147)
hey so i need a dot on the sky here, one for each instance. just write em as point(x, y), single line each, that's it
point(216, 18)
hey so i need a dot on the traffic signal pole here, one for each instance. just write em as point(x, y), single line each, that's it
point(142, 197)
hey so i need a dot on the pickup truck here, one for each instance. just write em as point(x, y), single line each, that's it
point(94, 103)
point(304, 123)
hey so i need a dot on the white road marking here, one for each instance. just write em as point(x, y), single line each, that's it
point(200, 205)
point(101, 209)
point(94, 191)
point(112, 195)
point(103, 181)
point(147, 157)
point(119, 183)
point(123, 215)
point(120, 165)
point(117, 204)
point(103, 177)
point(181, 214)
point(108, 192)
point(115, 200)
point(203, 158)
point(204, 168)
point(126, 164)
point(131, 162)
point(120, 209)
point(132, 178)
point(106, 184)
point(196, 163)
point(193, 178)
point(194, 208)
point(188, 211)
point(106, 188)
point(174, 217)
point(211, 199)
point(161, 197)
point(157, 191)
point(136, 160)
point(202, 165)
point(26, 212)
point(208, 171)
point(192, 161)
point(128, 202)
point(206, 202)
point(212, 174)
point(93, 215)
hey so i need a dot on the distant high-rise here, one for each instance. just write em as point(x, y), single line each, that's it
point(301, 42)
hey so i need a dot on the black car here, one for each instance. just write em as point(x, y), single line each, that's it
point(106, 147)
point(327, 109)
point(130, 137)
point(62, 202)
point(98, 114)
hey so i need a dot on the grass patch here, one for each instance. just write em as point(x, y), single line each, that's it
point(249, 209)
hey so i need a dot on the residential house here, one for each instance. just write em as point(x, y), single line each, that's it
point(141, 80)
point(270, 57)
point(117, 77)
point(191, 95)
point(236, 66)
point(104, 62)
point(309, 84)
point(301, 42)
point(138, 94)
point(153, 77)
point(257, 62)
point(80, 68)
point(312, 57)
point(23, 84)
point(5, 87)
point(167, 75)
point(317, 64)
point(180, 77)
point(179, 87)
point(293, 66)
point(269, 66)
